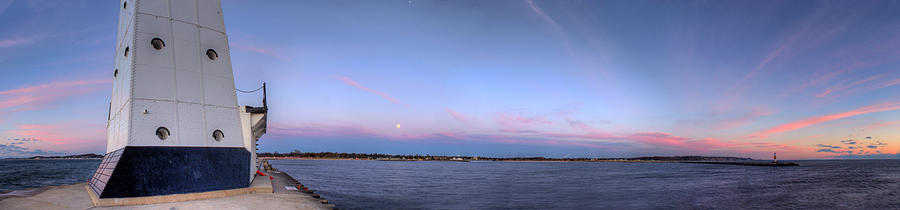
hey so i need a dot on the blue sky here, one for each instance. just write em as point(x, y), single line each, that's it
point(499, 78)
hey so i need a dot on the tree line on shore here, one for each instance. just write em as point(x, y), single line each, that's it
point(378, 156)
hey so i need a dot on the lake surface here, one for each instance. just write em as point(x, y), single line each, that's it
point(24, 174)
point(828, 184)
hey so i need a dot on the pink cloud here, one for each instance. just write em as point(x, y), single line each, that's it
point(507, 130)
point(829, 75)
point(513, 120)
point(657, 141)
point(459, 117)
point(735, 92)
point(890, 83)
point(878, 125)
point(320, 130)
point(53, 85)
point(71, 136)
point(447, 135)
point(353, 83)
point(13, 42)
point(823, 94)
point(653, 139)
point(43, 95)
point(863, 85)
point(540, 12)
point(884, 84)
point(556, 27)
point(853, 58)
point(890, 106)
point(737, 121)
point(663, 141)
point(506, 140)
point(259, 50)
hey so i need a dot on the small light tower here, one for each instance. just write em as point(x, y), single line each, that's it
point(775, 157)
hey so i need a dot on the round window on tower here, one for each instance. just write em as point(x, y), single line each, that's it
point(218, 135)
point(162, 133)
point(157, 43)
point(212, 54)
point(116, 73)
point(126, 51)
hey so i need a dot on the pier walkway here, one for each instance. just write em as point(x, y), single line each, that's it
point(266, 194)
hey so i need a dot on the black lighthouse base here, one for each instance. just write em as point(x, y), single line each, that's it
point(148, 171)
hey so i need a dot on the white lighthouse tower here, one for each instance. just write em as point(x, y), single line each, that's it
point(174, 123)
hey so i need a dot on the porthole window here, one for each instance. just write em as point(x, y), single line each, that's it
point(162, 133)
point(126, 51)
point(218, 135)
point(157, 43)
point(212, 54)
point(116, 73)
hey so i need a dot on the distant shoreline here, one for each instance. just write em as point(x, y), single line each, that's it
point(52, 159)
point(743, 163)
point(480, 160)
point(89, 156)
point(388, 157)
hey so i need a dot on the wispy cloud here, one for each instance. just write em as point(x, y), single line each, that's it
point(353, 83)
point(890, 106)
point(556, 27)
point(879, 125)
point(69, 133)
point(39, 96)
point(53, 86)
point(4, 4)
point(13, 42)
point(518, 120)
point(261, 50)
point(736, 91)
point(842, 87)
point(823, 94)
point(733, 122)
point(540, 12)
point(459, 117)
point(855, 87)
point(605, 141)
point(279, 130)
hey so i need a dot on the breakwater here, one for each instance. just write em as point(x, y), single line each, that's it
point(747, 163)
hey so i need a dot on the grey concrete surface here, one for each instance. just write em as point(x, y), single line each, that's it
point(76, 197)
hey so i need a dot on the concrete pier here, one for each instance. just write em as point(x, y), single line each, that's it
point(263, 193)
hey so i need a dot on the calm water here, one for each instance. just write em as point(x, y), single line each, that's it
point(853, 184)
point(23, 174)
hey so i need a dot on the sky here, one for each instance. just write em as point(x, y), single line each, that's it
point(805, 79)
